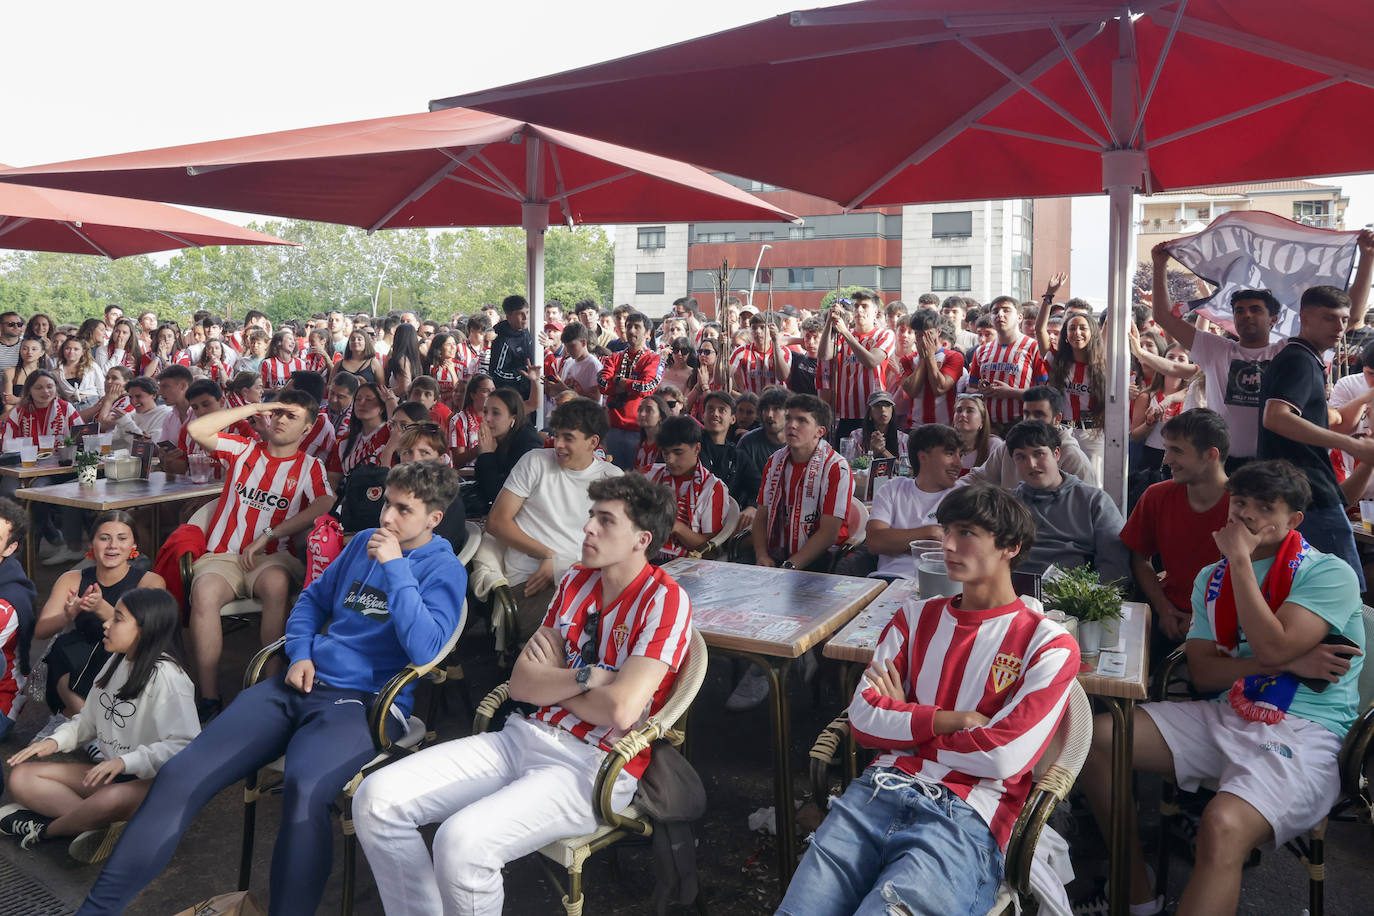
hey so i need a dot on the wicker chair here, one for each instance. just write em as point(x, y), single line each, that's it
point(719, 547)
point(416, 734)
point(572, 852)
point(856, 519)
point(1354, 803)
point(1055, 773)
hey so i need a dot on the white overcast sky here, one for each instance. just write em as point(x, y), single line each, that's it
point(87, 78)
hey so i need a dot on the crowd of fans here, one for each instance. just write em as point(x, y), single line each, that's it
point(353, 448)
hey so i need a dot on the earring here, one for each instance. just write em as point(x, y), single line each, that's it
point(133, 554)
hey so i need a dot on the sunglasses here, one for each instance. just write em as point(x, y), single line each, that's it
point(671, 404)
point(705, 351)
point(591, 652)
point(427, 427)
point(14, 324)
point(685, 351)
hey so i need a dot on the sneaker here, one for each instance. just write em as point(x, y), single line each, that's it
point(53, 724)
point(1099, 906)
point(63, 555)
point(751, 690)
point(208, 708)
point(28, 826)
point(48, 548)
point(94, 752)
point(95, 845)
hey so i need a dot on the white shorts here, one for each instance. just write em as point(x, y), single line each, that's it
point(1287, 771)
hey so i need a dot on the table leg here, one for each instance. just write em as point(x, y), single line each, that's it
point(1123, 711)
point(776, 670)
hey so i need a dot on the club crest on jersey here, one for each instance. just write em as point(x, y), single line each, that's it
point(292, 481)
point(619, 636)
point(1006, 668)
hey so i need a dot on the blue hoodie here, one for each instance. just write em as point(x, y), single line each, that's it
point(381, 616)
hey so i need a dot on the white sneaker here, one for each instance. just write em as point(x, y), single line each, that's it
point(52, 725)
point(751, 690)
point(64, 555)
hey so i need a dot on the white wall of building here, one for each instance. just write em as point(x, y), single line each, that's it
point(987, 252)
point(631, 260)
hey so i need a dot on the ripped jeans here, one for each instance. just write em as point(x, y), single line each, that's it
point(891, 846)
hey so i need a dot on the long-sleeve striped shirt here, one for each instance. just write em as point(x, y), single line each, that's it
point(1010, 664)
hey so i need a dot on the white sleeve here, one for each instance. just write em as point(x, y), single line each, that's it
point(525, 476)
point(167, 721)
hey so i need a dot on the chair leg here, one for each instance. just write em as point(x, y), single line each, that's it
point(1168, 810)
point(250, 807)
point(572, 903)
point(1316, 870)
point(349, 862)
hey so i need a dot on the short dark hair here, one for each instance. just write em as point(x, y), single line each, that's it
point(298, 398)
point(203, 386)
point(721, 395)
point(1203, 428)
point(678, 431)
point(147, 385)
point(176, 374)
point(1270, 302)
point(1032, 434)
point(478, 322)
point(308, 381)
point(773, 397)
point(928, 436)
point(413, 411)
point(574, 330)
point(639, 318)
point(431, 482)
point(581, 415)
point(926, 299)
point(1269, 479)
point(994, 510)
point(17, 516)
point(1004, 300)
point(345, 380)
point(650, 507)
point(513, 304)
point(1326, 297)
point(1045, 393)
point(866, 295)
point(425, 383)
point(582, 305)
point(924, 319)
point(812, 325)
point(819, 410)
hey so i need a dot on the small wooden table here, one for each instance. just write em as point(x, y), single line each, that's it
point(118, 494)
point(770, 617)
point(45, 467)
point(856, 642)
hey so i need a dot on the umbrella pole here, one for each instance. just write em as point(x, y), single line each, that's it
point(535, 218)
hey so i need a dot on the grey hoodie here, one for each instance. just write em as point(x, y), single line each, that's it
point(1076, 524)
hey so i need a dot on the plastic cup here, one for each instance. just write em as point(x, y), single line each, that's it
point(28, 455)
point(106, 440)
point(923, 546)
point(932, 577)
point(199, 468)
point(47, 443)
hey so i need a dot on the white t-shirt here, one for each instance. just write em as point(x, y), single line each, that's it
point(1343, 392)
point(1233, 385)
point(902, 504)
point(555, 509)
point(584, 371)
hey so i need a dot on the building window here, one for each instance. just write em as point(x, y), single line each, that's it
point(653, 237)
point(801, 277)
point(952, 226)
point(1312, 212)
point(801, 232)
point(708, 238)
point(951, 279)
point(649, 284)
point(761, 236)
point(759, 186)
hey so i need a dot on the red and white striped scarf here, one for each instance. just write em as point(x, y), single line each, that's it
point(813, 486)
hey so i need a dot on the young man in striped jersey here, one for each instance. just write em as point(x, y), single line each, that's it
point(1004, 367)
point(606, 655)
point(962, 697)
point(863, 354)
point(701, 496)
point(272, 491)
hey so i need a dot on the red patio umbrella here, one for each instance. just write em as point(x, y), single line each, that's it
point(42, 219)
point(902, 101)
point(431, 169)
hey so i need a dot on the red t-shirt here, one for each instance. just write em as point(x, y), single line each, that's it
point(1163, 523)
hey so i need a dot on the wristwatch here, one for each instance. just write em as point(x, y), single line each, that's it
point(787, 564)
point(582, 676)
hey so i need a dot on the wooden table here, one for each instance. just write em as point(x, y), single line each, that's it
point(856, 642)
point(118, 494)
point(771, 616)
point(45, 467)
point(1361, 536)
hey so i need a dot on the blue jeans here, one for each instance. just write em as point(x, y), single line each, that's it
point(621, 445)
point(890, 841)
point(325, 739)
point(1328, 530)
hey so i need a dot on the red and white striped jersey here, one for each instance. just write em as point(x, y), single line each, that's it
point(702, 498)
point(260, 492)
point(276, 372)
point(189, 446)
point(235, 341)
point(11, 681)
point(26, 424)
point(318, 362)
point(756, 370)
point(1077, 394)
point(470, 357)
point(930, 407)
point(341, 424)
point(319, 441)
point(646, 456)
point(219, 373)
point(462, 429)
point(652, 617)
point(122, 404)
point(1017, 364)
point(1010, 664)
point(183, 358)
point(857, 381)
point(834, 489)
point(448, 377)
point(365, 450)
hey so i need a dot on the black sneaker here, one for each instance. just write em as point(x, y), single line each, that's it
point(28, 826)
point(207, 709)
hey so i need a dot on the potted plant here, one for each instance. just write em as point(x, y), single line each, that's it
point(87, 464)
point(1080, 593)
point(66, 451)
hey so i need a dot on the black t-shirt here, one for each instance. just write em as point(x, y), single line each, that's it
point(1297, 376)
point(802, 377)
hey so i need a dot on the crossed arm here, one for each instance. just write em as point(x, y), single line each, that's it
point(619, 699)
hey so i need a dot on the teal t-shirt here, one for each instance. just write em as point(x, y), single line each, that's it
point(1327, 587)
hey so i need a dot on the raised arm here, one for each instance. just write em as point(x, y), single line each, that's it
point(1359, 287)
point(205, 430)
point(1160, 305)
point(1042, 319)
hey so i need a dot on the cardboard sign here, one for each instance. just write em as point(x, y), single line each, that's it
point(878, 469)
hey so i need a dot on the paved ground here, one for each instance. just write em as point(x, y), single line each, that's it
point(736, 865)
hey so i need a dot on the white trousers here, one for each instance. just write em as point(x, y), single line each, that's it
point(500, 796)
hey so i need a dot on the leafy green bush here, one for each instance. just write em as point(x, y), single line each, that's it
point(1080, 593)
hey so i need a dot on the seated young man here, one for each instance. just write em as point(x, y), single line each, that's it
point(719, 453)
point(962, 697)
point(319, 439)
point(1260, 616)
point(272, 491)
point(392, 598)
point(754, 449)
point(205, 397)
point(1175, 518)
point(534, 531)
point(338, 409)
point(905, 508)
point(605, 655)
point(1075, 523)
point(701, 496)
point(1040, 402)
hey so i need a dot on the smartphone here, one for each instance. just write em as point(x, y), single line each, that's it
point(167, 445)
point(1318, 684)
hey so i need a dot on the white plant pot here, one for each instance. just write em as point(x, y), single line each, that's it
point(1089, 637)
point(1111, 632)
point(86, 476)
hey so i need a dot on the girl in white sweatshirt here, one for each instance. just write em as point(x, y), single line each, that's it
point(140, 712)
